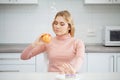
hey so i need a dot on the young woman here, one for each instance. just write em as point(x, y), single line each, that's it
point(65, 53)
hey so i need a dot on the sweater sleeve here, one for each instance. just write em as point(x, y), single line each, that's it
point(80, 51)
point(31, 51)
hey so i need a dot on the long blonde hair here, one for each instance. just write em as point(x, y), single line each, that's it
point(67, 16)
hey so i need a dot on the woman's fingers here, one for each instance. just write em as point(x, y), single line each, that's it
point(72, 70)
point(62, 71)
point(68, 69)
point(38, 40)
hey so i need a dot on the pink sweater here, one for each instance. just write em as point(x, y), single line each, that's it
point(61, 49)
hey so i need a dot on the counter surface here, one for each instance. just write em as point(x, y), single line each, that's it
point(52, 76)
point(18, 48)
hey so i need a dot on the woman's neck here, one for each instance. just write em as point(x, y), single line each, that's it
point(63, 37)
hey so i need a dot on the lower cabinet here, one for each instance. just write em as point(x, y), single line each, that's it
point(118, 62)
point(103, 62)
point(93, 62)
point(11, 62)
point(17, 68)
point(42, 63)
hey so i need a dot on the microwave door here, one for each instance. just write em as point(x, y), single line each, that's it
point(114, 35)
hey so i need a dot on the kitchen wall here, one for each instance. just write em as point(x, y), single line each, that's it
point(23, 23)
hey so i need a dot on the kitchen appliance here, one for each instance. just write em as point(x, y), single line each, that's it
point(112, 36)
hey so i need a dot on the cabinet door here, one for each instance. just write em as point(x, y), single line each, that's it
point(17, 68)
point(118, 62)
point(4, 1)
point(116, 1)
point(11, 62)
point(41, 62)
point(26, 1)
point(100, 62)
point(98, 1)
point(14, 58)
point(18, 1)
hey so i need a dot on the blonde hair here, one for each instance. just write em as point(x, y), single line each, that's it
point(67, 16)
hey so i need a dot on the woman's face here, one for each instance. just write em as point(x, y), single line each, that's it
point(60, 26)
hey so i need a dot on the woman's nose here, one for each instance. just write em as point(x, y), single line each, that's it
point(57, 26)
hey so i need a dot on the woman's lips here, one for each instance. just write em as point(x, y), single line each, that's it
point(57, 30)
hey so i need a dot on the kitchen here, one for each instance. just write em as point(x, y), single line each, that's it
point(21, 23)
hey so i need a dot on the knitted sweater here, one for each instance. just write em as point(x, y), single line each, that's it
point(61, 49)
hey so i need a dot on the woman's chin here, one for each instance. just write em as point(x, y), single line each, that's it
point(59, 34)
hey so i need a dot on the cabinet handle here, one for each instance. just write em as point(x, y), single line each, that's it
point(111, 64)
point(9, 58)
point(117, 63)
point(9, 71)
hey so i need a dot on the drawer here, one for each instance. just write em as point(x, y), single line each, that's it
point(14, 58)
point(17, 68)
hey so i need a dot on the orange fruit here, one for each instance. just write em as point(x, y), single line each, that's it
point(46, 38)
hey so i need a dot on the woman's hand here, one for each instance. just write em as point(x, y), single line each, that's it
point(67, 69)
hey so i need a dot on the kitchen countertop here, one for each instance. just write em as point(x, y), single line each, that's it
point(94, 48)
point(52, 76)
point(12, 47)
point(98, 48)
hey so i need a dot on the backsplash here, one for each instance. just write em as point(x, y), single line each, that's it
point(23, 23)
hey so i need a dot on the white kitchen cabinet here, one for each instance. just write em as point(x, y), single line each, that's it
point(11, 62)
point(18, 1)
point(102, 1)
point(103, 62)
point(41, 62)
point(118, 62)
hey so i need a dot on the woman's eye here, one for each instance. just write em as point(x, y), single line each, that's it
point(62, 23)
point(55, 22)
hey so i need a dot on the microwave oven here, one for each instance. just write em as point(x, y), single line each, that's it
point(112, 36)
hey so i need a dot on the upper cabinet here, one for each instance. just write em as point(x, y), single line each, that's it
point(102, 1)
point(18, 1)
